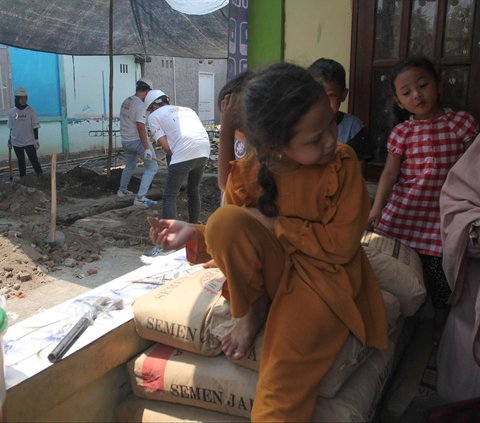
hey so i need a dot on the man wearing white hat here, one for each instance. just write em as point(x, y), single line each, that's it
point(23, 124)
point(181, 134)
point(133, 116)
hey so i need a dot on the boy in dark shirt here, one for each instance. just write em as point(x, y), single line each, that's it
point(351, 129)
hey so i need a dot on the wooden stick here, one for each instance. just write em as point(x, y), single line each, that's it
point(10, 165)
point(53, 210)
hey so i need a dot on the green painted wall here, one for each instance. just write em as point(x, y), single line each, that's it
point(265, 32)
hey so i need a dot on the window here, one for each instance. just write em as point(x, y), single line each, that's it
point(385, 31)
point(123, 68)
point(6, 100)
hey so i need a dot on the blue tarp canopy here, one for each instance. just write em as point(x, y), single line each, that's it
point(81, 27)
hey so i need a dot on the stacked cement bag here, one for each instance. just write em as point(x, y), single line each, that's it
point(213, 383)
point(187, 369)
point(135, 410)
point(190, 314)
point(398, 270)
point(184, 312)
point(351, 357)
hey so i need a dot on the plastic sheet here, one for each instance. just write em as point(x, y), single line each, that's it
point(92, 307)
point(81, 27)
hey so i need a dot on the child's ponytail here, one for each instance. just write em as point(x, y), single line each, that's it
point(266, 203)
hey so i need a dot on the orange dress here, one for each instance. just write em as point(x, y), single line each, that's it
point(311, 266)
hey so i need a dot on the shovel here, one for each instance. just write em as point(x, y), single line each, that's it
point(55, 238)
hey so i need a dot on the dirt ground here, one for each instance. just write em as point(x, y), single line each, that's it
point(90, 220)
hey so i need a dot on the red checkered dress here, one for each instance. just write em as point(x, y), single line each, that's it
point(428, 149)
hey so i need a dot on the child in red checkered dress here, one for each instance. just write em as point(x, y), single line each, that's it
point(421, 151)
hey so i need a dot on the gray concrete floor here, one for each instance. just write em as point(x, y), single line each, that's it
point(114, 262)
point(411, 392)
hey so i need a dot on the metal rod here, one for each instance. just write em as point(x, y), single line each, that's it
point(69, 339)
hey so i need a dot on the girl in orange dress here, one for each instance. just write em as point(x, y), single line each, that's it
point(288, 241)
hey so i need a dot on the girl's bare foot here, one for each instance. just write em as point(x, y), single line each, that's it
point(238, 342)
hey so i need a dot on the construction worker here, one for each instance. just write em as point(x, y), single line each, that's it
point(182, 136)
point(24, 124)
point(133, 116)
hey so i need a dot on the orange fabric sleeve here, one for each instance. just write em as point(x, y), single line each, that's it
point(333, 239)
point(242, 182)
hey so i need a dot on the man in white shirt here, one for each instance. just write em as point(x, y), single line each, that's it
point(181, 134)
point(133, 116)
point(23, 124)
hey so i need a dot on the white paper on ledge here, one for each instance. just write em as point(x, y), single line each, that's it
point(28, 343)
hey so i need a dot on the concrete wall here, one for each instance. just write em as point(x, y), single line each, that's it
point(87, 97)
point(299, 31)
point(178, 78)
point(319, 28)
point(80, 87)
point(86, 386)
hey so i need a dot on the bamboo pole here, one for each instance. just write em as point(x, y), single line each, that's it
point(53, 208)
point(110, 90)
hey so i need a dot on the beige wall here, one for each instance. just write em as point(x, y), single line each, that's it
point(318, 28)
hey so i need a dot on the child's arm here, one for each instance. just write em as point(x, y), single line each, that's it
point(389, 177)
point(227, 139)
point(335, 238)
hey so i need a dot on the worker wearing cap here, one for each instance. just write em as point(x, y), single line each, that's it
point(182, 136)
point(133, 116)
point(24, 124)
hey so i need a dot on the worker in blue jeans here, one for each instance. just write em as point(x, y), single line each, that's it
point(133, 117)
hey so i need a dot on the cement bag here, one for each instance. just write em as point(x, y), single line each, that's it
point(352, 355)
point(167, 374)
point(358, 398)
point(179, 313)
point(139, 410)
point(398, 270)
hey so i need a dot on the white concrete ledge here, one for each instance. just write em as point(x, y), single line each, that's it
point(90, 381)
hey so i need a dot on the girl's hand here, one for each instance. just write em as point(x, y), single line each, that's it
point(170, 234)
point(374, 218)
point(228, 109)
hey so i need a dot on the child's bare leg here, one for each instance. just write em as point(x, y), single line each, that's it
point(237, 343)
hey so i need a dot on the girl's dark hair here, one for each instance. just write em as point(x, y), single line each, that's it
point(401, 66)
point(273, 102)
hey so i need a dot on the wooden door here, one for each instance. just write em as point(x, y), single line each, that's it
point(206, 101)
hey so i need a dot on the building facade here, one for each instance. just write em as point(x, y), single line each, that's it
point(71, 93)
